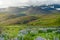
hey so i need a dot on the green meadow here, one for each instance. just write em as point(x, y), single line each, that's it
point(30, 27)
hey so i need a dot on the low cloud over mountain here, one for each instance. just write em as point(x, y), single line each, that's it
point(7, 3)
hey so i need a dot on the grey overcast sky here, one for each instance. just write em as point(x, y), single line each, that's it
point(7, 3)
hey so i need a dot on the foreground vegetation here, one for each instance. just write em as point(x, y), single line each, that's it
point(28, 33)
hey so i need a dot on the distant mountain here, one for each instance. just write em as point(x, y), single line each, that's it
point(13, 9)
point(2, 9)
point(45, 9)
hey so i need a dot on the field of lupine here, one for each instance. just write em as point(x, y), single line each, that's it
point(29, 33)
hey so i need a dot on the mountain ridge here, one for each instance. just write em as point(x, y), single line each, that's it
point(38, 9)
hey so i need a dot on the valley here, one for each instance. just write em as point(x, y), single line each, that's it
point(30, 23)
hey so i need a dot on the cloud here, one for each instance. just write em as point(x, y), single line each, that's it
point(44, 2)
point(6, 3)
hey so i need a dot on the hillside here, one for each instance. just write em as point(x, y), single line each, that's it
point(47, 20)
point(32, 20)
point(33, 15)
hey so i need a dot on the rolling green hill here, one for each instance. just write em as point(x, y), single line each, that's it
point(33, 20)
point(47, 20)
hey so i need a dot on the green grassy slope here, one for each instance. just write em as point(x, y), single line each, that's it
point(33, 20)
point(47, 20)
